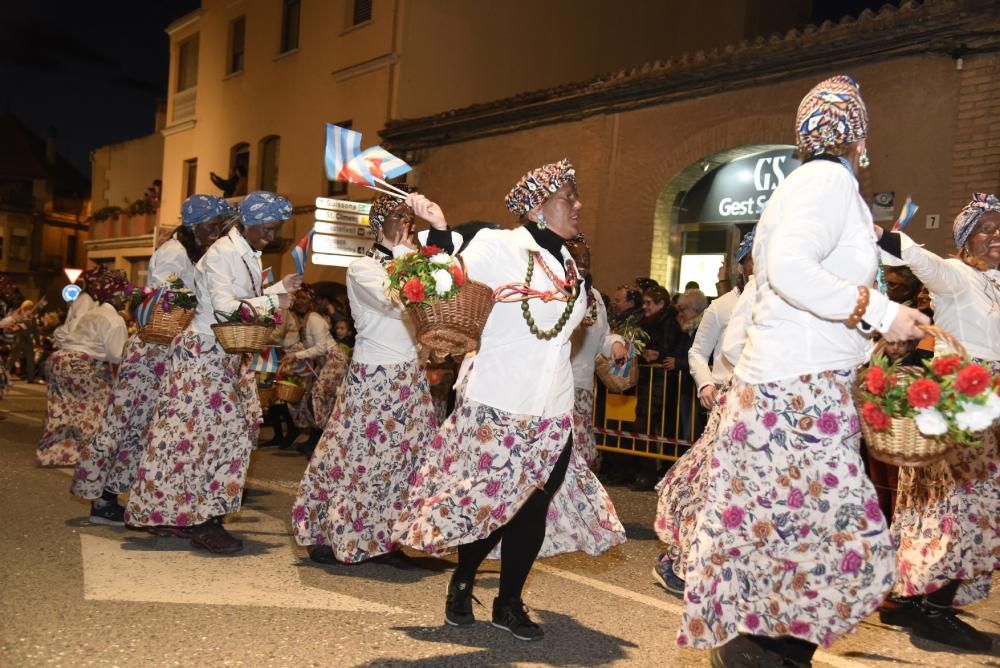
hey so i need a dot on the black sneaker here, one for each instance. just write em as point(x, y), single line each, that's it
point(513, 617)
point(943, 626)
point(900, 611)
point(458, 604)
point(212, 536)
point(110, 513)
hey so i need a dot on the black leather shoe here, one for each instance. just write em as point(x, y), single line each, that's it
point(742, 652)
point(212, 536)
point(322, 554)
point(902, 612)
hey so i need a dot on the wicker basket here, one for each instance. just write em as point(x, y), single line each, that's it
point(164, 327)
point(903, 444)
point(265, 395)
point(243, 337)
point(616, 384)
point(454, 325)
point(290, 393)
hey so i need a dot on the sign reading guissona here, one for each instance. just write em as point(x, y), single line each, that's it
point(737, 191)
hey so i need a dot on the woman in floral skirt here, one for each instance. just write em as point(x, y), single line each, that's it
point(108, 462)
point(790, 549)
point(497, 462)
point(207, 412)
point(307, 360)
point(359, 478)
point(680, 492)
point(946, 526)
point(79, 373)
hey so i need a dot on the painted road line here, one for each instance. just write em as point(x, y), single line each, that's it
point(668, 606)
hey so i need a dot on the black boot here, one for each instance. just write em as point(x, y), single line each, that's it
point(274, 421)
point(943, 626)
point(309, 446)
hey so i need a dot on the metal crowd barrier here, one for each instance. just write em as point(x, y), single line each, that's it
point(660, 418)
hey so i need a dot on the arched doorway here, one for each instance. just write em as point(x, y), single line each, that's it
point(704, 210)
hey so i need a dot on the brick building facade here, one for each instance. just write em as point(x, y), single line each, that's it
point(640, 138)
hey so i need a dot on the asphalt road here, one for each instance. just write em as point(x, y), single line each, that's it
point(76, 594)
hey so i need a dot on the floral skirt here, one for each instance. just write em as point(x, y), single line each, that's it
point(947, 521)
point(681, 493)
point(78, 390)
point(790, 539)
point(360, 477)
point(327, 386)
point(482, 466)
point(109, 460)
point(203, 429)
point(583, 425)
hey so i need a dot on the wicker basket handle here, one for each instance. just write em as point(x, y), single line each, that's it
point(934, 331)
point(253, 310)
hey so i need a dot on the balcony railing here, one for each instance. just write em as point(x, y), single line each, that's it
point(123, 226)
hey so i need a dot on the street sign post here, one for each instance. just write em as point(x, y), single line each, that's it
point(341, 217)
point(72, 274)
point(70, 292)
point(330, 204)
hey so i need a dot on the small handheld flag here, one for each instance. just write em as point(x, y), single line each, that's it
point(299, 251)
point(144, 311)
point(266, 362)
point(342, 145)
point(376, 163)
point(905, 215)
point(267, 277)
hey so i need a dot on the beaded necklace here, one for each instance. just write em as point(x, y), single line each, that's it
point(253, 284)
point(569, 288)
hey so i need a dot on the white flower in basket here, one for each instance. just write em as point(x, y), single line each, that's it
point(442, 281)
point(931, 422)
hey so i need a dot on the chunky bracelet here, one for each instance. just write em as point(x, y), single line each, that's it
point(859, 309)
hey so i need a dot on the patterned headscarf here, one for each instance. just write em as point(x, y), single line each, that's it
point(261, 207)
point(198, 209)
point(104, 284)
point(746, 245)
point(831, 113)
point(538, 185)
point(967, 218)
point(382, 207)
point(307, 291)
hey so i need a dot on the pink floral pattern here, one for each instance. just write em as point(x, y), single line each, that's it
point(327, 386)
point(109, 460)
point(583, 425)
point(302, 410)
point(482, 466)
point(790, 539)
point(78, 390)
point(946, 524)
point(359, 479)
point(681, 493)
point(204, 427)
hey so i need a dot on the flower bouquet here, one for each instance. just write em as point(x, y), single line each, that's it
point(245, 330)
point(912, 416)
point(165, 312)
point(448, 310)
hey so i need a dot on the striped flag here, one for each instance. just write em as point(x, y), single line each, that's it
point(376, 162)
point(144, 311)
point(342, 145)
point(266, 362)
point(299, 251)
point(267, 277)
point(905, 215)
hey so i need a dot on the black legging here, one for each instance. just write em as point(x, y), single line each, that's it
point(523, 537)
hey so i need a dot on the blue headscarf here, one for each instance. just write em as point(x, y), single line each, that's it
point(746, 245)
point(261, 207)
point(967, 218)
point(198, 209)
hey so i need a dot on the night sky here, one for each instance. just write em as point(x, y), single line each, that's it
point(93, 69)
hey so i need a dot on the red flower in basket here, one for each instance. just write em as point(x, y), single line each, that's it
point(923, 393)
point(945, 366)
point(972, 380)
point(428, 251)
point(456, 273)
point(875, 416)
point(414, 289)
point(875, 380)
